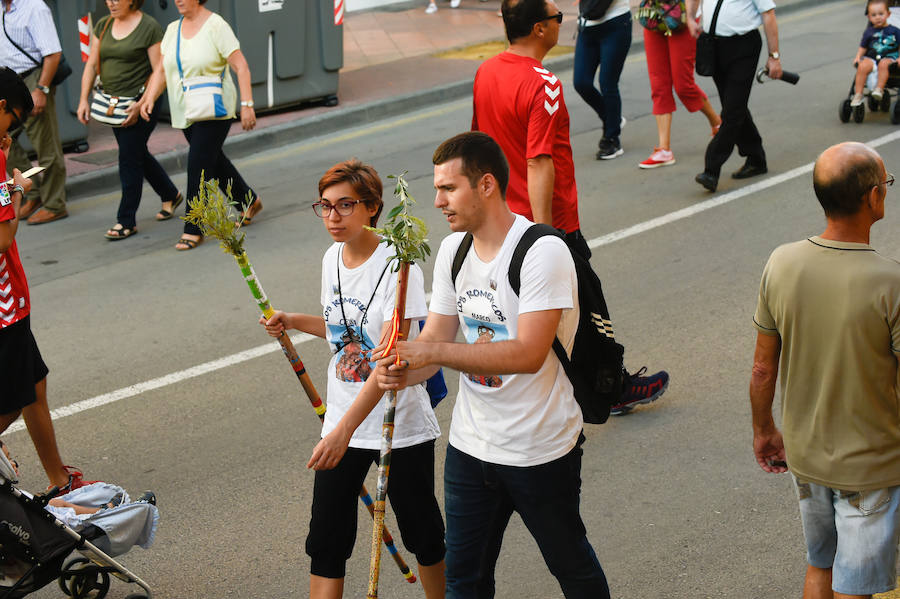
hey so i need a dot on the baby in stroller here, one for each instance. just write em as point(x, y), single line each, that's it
point(878, 50)
point(876, 65)
point(38, 533)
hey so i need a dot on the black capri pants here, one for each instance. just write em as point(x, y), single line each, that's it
point(332, 529)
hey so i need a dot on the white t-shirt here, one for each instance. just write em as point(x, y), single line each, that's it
point(205, 54)
point(367, 308)
point(616, 9)
point(511, 419)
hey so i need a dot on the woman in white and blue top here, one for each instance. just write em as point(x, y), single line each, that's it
point(358, 294)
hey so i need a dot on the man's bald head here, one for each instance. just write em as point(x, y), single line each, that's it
point(843, 175)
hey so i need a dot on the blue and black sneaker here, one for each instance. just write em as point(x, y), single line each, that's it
point(641, 390)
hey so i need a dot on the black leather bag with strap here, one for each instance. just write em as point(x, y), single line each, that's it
point(705, 63)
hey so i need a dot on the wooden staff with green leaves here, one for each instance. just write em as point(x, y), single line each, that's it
point(212, 212)
point(406, 233)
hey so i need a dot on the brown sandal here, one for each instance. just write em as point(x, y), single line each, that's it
point(187, 244)
point(115, 234)
point(251, 211)
point(167, 214)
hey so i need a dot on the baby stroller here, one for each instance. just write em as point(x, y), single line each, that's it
point(891, 88)
point(34, 543)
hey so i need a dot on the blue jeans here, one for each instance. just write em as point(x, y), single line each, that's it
point(854, 533)
point(605, 46)
point(136, 163)
point(480, 497)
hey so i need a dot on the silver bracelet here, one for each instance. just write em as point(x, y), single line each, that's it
point(18, 188)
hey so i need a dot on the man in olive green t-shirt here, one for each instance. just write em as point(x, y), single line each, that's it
point(829, 313)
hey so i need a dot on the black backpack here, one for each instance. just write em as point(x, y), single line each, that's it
point(593, 10)
point(596, 368)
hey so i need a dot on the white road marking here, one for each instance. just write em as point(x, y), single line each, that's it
point(731, 196)
point(233, 359)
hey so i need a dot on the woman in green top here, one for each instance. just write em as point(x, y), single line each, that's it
point(124, 52)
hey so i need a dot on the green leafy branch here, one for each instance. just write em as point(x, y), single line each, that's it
point(407, 233)
point(212, 211)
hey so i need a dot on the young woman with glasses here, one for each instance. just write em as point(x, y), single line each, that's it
point(357, 295)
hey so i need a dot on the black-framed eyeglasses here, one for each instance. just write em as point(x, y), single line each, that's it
point(558, 16)
point(17, 121)
point(344, 207)
point(889, 181)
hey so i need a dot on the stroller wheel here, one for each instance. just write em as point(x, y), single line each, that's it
point(80, 579)
point(895, 113)
point(844, 111)
point(886, 102)
point(859, 113)
point(873, 104)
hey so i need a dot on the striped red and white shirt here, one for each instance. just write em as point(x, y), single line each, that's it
point(15, 303)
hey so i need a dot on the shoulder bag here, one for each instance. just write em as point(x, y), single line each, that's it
point(202, 94)
point(665, 16)
point(63, 69)
point(105, 108)
point(705, 63)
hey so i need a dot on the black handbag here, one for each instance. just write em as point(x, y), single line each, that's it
point(63, 70)
point(705, 61)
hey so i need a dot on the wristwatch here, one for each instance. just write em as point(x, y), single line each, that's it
point(247, 103)
point(775, 55)
point(17, 188)
point(43, 88)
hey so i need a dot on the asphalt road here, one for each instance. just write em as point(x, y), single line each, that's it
point(672, 498)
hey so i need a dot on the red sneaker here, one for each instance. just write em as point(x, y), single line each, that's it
point(76, 481)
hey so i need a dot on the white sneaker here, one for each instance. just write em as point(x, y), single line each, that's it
point(658, 158)
point(454, 3)
point(432, 8)
point(857, 100)
point(622, 122)
point(878, 93)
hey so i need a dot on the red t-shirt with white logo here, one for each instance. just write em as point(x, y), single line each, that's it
point(520, 104)
point(14, 301)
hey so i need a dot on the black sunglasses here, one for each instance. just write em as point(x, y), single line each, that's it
point(889, 181)
point(16, 122)
point(558, 16)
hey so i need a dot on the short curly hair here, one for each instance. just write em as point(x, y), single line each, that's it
point(362, 178)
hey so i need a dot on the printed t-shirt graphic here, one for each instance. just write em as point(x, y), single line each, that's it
point(368, 293)
point(479, 332)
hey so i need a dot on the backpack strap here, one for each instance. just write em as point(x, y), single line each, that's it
point(534, 233)
point(460, 257)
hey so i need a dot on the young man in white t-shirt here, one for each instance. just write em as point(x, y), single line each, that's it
point(516, 428)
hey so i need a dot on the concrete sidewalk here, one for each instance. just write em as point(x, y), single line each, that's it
point(396, 59)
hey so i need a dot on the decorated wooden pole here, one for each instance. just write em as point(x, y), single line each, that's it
point(212, 213)
point(407, 234)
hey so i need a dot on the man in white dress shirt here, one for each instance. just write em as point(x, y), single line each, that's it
point(30, 46)
point(738, 44)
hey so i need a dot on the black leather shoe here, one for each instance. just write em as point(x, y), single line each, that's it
point(710, 182)
point(749, 170)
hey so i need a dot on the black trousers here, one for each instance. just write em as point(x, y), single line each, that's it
point(136, 163)
point(206, 159)
point(736, 60)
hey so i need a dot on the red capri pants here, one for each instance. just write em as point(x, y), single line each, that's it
point(670, 63)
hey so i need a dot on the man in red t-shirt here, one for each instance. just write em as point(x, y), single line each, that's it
point(23, 374)
point(520, 104)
